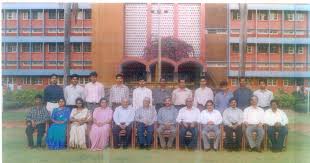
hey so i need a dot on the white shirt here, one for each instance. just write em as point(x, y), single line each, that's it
point(270, 117)
point(93, 92)
point(264, 97)
point(138, 96)
point(72, 92)
point(179, 96)
point(126, 115)
point(202, 95)
point(253, 115)
point(214, 116)
point(188, 115)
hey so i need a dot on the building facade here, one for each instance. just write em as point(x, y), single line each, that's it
point(112, 38)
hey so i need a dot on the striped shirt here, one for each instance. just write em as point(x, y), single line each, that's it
point(39, 115)
point(146, 115)
point(118, 92)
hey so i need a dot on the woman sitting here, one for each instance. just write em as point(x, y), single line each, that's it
point(100, 130)
point(79, 118)
point(56, 135)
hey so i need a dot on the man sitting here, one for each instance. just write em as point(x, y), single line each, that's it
point(167, 123)
point(276, 120)
point(253, 120)
point(145, 118)
point(188, 118)
point(123, 117)
point(210, 120)
point(36, 119)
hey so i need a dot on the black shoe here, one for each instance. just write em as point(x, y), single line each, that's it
point(147, 147)
point(141, 146)
point(259, 150)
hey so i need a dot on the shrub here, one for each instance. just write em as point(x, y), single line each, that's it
point(286, 100)
point(19, 98)
point(301, 107)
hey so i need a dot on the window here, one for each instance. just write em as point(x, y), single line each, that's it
point(262, 15)
point(87, 30)
point(60, 63)
point(52, 14)
point(77, 47)
point(37, 63)
point(235, 48)
point(80, 15)
point(262, 31)
point(60, 80)
point(25, 15)
point(274, 15)
point(288, 32)
point(11, 30)
point(61, 14)
point(235, 15)
point(52, 47)
point(274, 32)
point(37, 81)
point(27, 80)
point(289, 15)
point(25, 63)
point(250, 15)
point(52, 30)
point(300, 32)
point(234, 82)
point(262, 48)
point(37, 15)
point(300, 49)
point(83, 80)
point(36, 47)
point(87, 14)
point(274, 49)
point(249, 49)
point(271, 82)
point(52, 63)
point(61, 47)
point(8, 80)
point(77, 30)
point(87, 63)
point(37, 30)
point(26, 30)
point(11, 47)
point(11, 15)
point(61, 30)
point(289, 49)
point(299, 16)
point(289, 82)
point(235, 31)
point(87, 47)
point(25, 47)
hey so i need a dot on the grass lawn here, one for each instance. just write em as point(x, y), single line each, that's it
point(15, 150)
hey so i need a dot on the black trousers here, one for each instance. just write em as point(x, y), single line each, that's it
point(122, 140)
point(277, 143)
point(231, 143)
point(30, 130)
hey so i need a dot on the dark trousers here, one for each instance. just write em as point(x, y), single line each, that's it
point(145, 140)
point(277, 143)
point(231, 143)
point(30, 130)
point(122, 140)
point(192, 143)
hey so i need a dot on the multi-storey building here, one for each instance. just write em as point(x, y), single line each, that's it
point(111, 38)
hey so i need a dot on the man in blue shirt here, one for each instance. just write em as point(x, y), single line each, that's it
point(52, 94)
point(243, 95)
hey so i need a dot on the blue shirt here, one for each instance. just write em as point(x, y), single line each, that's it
point(243, 96)
point(52, 93)
point(221, 100)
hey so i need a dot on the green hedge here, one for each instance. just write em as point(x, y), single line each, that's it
point(286, 100)
point(19, 98)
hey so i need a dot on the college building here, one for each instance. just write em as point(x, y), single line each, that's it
point(196, 40)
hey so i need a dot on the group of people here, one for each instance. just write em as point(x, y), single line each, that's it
point(91, 116)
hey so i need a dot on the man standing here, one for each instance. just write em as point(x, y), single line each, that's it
point(118, 92)
point(243, 94)
point(145, 118)
point(160, 94)
point(180, 95)
point(264, 95)
point(188, 119)
point(253, 120)
point(202, 95)
point(167, 123)
point(73, 91)
point(232, 119)
point(210, 120)
point(276, 120)
point(52, 94)
point(36, 119)
point(123, 117)
point(140, 93)
point(93, 91)
point(222, 98)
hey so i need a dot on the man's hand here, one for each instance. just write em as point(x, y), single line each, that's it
point(192, 125)
point(277, 124)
